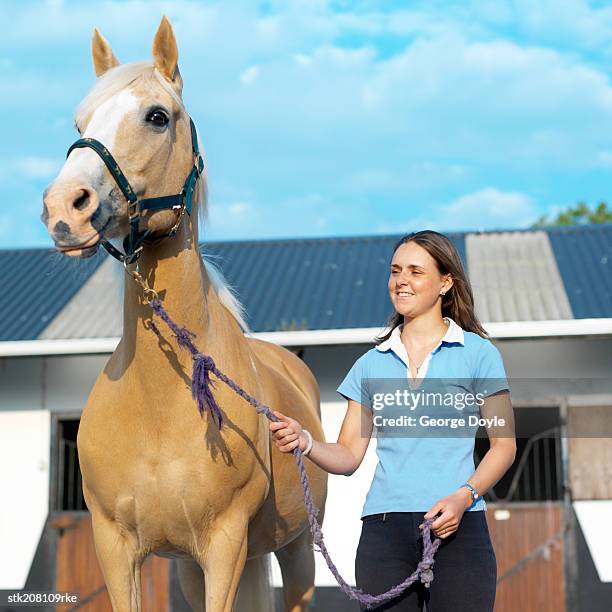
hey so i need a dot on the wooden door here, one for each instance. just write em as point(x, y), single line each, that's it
point(78, 572)
point(528, 542)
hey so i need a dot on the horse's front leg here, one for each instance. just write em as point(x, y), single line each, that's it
point(224, 560)
point(120, 564)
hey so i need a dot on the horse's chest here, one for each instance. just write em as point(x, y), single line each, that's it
point(165, 473)
point(144, 475)
point(162, 502)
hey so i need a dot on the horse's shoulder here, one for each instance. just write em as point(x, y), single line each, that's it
point(278, 357)
point(285, 364)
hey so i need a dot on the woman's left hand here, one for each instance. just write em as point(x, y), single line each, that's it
point(451, 509)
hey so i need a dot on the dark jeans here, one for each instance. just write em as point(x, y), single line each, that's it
point(465, 570)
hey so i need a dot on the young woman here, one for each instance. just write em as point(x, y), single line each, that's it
point(434, 335)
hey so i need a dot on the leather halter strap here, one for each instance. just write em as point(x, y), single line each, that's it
point(182, 202)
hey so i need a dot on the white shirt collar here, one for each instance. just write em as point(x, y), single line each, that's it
point(454, 334)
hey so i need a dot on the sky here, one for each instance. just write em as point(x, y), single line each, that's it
point(335, 118)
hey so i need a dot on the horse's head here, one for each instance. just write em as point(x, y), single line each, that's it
point(136, 112)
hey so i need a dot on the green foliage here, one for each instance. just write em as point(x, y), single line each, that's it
point(580, 214)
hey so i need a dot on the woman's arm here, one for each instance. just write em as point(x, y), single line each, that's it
point(342, 457)
point(493, 466)
point(502, 441)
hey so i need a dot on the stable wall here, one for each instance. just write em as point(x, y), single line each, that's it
point(31, 388)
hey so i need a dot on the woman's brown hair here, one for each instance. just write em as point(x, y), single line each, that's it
point(458, 303)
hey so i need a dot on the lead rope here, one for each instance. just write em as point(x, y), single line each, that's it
point(202, 391)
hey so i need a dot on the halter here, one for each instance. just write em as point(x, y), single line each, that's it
point(183, 201)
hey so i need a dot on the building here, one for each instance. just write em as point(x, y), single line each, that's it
point(544, 296)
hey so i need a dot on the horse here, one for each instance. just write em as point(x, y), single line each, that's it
point(158, 477)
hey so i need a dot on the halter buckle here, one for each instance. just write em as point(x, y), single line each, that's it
point(181, 208)
point(148, 293)
point(198, 163)
point(132, 257)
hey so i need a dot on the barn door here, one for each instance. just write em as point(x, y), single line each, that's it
point(78, 572)
point(528, 542)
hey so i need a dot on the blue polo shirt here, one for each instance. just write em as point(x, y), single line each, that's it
point(423, 454)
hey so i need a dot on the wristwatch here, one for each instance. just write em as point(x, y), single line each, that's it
point(473, 492)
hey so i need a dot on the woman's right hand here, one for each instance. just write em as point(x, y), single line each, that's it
point(287, 433)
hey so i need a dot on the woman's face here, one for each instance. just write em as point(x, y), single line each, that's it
point(415, 283)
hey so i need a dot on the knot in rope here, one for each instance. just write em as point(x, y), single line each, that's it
point(206, 362)
point(201, 386)
point(426, 573)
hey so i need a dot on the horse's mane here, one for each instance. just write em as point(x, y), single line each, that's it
point(110, 84)
point(226, 293)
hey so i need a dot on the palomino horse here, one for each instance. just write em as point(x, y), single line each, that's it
point(158, 477)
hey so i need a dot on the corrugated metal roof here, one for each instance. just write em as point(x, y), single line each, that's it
point(95, 311)
point(515, 277)
point(37, 284)
point(326, 283)
point(584, 257)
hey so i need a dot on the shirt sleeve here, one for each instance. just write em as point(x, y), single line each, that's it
point(490, 374)
point(355, 384)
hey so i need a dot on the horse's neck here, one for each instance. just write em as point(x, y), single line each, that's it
point(174, 269)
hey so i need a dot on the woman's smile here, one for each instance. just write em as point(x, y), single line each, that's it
point(404, 295)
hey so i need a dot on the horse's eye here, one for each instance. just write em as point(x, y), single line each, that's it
point(158, 118)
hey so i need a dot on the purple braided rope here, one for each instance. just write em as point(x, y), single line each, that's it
point(201, 385)
point(202, 391)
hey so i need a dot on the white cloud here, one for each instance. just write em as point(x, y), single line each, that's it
point(575, 21)
point(397, 177)
point(227, 220)
point(302, 59)
point(310, 214)
point(30, 167)
point(249, 76)
point(467, 94)
point(442, 97)
point(485, 209)
point(33, 167)
point(604, 158)
point(489, 208)
point(239, 209)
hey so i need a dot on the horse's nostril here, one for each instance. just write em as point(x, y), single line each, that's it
point(61, 231)
point(82, 201)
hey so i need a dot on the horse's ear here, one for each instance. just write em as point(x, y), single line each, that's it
point(103, 57)
point(165, 52)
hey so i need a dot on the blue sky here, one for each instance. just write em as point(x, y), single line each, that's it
point(324, 118)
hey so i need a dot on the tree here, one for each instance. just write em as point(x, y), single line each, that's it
point(580, 214)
